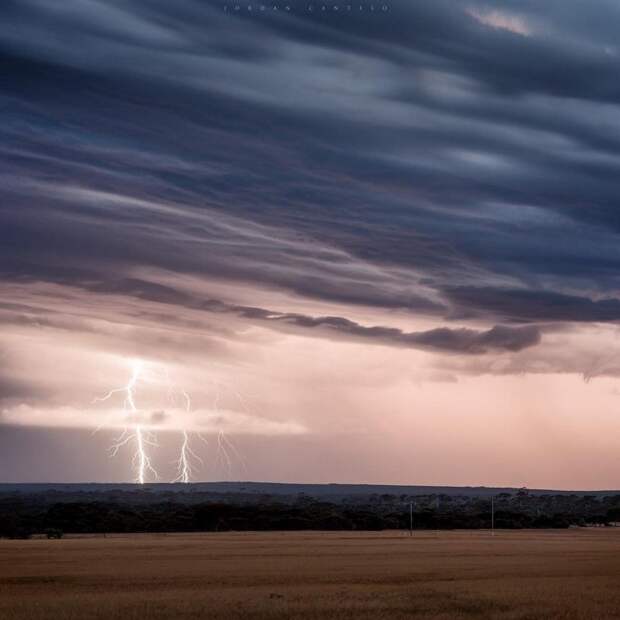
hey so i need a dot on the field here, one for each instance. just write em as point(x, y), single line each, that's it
point(450, 575)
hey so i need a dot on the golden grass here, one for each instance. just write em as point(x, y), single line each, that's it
point(524, 575)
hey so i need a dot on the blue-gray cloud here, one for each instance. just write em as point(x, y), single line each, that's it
point(428, 159)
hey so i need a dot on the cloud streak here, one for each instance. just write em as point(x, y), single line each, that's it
point(442, 339)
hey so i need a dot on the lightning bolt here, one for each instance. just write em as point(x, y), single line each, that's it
point(187, 457)
point(225, 447)
point(138, 437)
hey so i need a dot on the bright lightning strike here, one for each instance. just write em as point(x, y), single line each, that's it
point(138, 437)
point(137, 433)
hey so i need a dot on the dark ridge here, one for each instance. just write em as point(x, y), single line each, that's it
point(331, 490)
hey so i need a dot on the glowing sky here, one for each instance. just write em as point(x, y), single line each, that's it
point(371, 247)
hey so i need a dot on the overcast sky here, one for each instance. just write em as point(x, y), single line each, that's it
point(368, 246)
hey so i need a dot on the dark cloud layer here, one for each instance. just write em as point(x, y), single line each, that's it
point(15, 388)
point(535, 305)
point(498, 338)
point(447, 340)
point(448, 158)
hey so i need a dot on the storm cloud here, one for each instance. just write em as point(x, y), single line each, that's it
point(443, 339)
point(371, 159)
point(331, 208)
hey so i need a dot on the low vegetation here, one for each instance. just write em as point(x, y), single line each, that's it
point(22, 515)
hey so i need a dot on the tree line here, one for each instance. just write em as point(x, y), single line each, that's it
point(22, 519)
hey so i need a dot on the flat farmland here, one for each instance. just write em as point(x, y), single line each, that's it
point(449, 575)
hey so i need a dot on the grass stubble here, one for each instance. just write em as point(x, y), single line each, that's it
point(522, 575)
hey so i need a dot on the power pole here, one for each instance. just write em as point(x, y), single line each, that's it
point(410, 518)
point(492, 516)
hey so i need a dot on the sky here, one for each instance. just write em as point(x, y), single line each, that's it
point(344, 245)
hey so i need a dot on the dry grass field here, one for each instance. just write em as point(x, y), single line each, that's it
point(517, 575)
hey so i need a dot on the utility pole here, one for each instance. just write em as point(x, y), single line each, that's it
point(492, 516)
point(410, 518)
